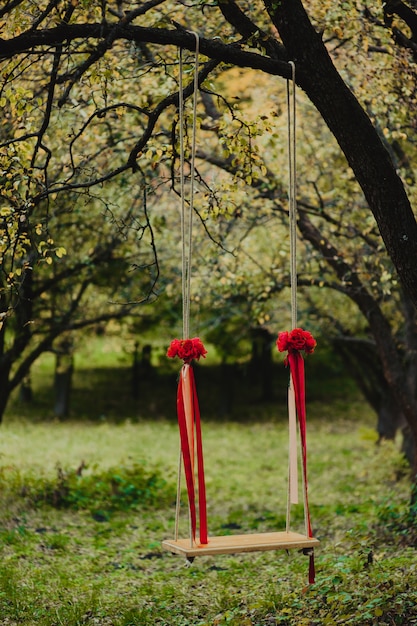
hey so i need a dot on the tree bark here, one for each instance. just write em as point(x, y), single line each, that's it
point(5, 366)
point(63, 384)
point(261, 361)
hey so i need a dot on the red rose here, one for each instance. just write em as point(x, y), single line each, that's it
point(187, 349)
point(282, 341)
point(173, 348)
point(199, 348)
point(296, 340)
point(310, 342)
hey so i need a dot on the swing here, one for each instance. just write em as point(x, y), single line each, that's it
point(187, 402)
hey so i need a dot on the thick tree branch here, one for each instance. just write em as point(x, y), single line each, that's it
point(212, 48)
point(249, 30)
point(399, 8)
point(9, 6)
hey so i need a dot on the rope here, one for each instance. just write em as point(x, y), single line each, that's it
point(182, 186)
point(292, 190)
point(178, 499)
point(192, 180)
point(292, 210)
point(187, 214)
point(292, 214)
point(186, 231)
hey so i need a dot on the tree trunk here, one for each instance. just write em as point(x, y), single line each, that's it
point(261, 361)
point(25, 391)
point(135, 372)
point(357, 137)
point(363, 364)
point(64, 367)
point(226, 389)
point(63, 386)
point(4, 385)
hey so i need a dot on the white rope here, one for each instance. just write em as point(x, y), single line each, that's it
point(178, 499)
point(292, 496)
point(192, 181)
point(182, 194)
point(292, 204)
point(187, 213)
point(292, 191)
point(186, 231)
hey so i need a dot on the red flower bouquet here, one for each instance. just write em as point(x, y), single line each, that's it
point(187, 349)
point(296, 340)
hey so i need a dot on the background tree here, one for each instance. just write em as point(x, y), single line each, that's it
point(316, 74)
point(74, 63)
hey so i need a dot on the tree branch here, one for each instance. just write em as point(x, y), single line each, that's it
point(9, 6)
point(213, 48)
point(249, 31)
point(399, 8)
point(172, 99)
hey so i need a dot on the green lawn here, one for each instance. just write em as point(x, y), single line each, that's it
point(87, 549)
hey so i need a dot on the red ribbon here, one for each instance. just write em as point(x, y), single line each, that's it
point(189, 423)
point(296, 363)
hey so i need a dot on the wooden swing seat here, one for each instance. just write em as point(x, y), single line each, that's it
point(234, 544)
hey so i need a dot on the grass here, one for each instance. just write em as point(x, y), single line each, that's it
point(86, 504)
point(69, 566)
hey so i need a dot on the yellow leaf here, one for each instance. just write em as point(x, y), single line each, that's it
point(60, 252)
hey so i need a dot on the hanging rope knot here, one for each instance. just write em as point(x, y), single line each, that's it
point(187, 349)
point(297, 340)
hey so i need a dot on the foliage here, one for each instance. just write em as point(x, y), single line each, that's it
point(399, 522)
point(115, 489)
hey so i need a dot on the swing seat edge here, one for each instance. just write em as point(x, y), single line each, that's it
point(234, 544)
